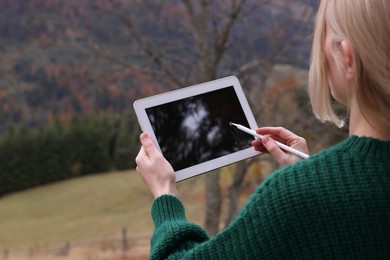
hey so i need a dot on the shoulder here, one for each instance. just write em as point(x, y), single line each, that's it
point(353, 167)
point(352, 154)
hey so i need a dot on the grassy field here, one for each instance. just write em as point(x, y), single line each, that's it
point(85, 208)
point(89, 208)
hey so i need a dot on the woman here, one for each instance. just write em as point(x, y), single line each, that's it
point(336, 204)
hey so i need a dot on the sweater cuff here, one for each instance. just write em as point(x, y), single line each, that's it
point(167, 208)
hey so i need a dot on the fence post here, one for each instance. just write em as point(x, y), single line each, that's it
point(64, 250)
point(125, 245)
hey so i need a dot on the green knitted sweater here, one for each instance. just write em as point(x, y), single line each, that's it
point(334, 205)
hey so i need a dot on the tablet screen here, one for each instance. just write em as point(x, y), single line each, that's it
point(196, 129)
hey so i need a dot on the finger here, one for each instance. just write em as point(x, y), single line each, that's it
point(141, 154)
point(258, 146)
point(261, 149)
point(257, 143)
point(277, 132)
point(274, 149)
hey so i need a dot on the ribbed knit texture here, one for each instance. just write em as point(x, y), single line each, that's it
point(334, 205)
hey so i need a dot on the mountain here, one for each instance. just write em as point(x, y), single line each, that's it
point(65, 58)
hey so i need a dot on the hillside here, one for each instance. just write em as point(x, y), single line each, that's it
point(87, 212)
point(66, 58)
point(77, 209)
point(87, 208)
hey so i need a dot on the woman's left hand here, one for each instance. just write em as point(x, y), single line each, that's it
point(156, 172)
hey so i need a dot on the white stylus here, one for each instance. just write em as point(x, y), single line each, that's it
point(283, 146)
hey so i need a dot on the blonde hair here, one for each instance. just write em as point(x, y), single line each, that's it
point(365, 24)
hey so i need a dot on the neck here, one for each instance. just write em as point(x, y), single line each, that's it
point(359, 126)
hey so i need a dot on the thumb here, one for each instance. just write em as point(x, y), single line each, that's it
point(148, 145)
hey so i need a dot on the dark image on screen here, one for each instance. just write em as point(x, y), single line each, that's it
point(196, 129)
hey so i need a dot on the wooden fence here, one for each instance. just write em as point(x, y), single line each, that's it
point(123, 243)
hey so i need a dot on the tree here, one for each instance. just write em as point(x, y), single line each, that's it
point(126, 142)
point(86, 145)
point(201, 41)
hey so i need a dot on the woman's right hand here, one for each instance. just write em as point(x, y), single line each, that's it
point(267, 144)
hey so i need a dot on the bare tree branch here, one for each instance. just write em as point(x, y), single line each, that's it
point(223, 36)
point(128, 22)
point(279, 47)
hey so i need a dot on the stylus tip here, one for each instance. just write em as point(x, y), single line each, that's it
point(230, 123)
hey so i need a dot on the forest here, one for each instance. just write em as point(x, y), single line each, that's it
point(70, 71)
point(67, 58)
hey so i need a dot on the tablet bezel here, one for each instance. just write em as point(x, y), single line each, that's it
point(141, 105)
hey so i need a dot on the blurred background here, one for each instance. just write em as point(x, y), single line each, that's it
point(69, 73)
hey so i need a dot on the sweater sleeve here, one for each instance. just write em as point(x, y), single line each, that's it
point(173, 235)
point(248, 237)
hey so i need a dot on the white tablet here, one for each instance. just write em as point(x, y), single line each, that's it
point(191, 126)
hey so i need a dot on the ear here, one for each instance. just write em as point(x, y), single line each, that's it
point(348, 55)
